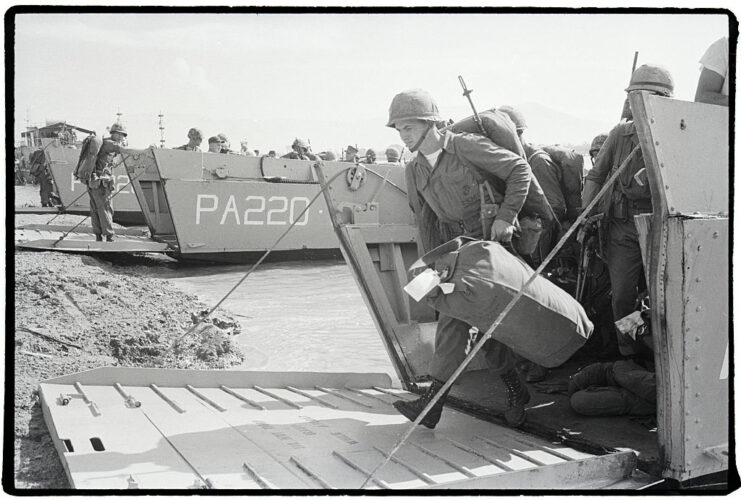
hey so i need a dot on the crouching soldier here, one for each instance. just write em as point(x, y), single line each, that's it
point(443, 189)
point(619, 388)
point(101, 184)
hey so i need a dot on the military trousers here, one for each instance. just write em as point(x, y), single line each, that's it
point(625, 266)
point(451, 339)
point(101, 210)
point(619, 388)
point(46, 188)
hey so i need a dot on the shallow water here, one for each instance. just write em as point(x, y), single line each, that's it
point(295, 316)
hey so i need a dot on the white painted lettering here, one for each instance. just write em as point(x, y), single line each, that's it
point(231, 207)
point(295, 211)
point(259, 209)
point(283, 209)
point(200, 208)
point(123, 181)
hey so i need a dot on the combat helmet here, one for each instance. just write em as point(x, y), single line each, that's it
point(654, 78)
point(597, 143)
point(195, 134)
point(515, 115)
point(392, 154)
point(300, 143)
point(118, 127)
point(413, 104)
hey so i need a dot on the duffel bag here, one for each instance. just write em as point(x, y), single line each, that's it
point(474, 280)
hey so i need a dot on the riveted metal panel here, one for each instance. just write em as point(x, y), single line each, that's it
point(706, 344)
point(691, 143)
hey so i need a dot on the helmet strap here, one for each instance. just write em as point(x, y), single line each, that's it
point(422, 139)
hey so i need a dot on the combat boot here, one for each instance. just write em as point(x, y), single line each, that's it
point(412, 409)
point(98, 237)
point(109, 238)
point(517, 397)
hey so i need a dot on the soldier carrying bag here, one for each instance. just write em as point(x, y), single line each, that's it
point(88, 158)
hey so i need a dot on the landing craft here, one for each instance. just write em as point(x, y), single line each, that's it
point(231, 208)
point(261, 430)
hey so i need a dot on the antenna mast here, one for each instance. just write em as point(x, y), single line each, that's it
point(162, 130)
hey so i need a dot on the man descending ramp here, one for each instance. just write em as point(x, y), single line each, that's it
point(444, 194)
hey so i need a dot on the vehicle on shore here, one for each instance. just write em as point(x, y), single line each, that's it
point(149, 428)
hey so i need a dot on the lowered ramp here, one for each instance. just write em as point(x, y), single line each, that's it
point(118, 428)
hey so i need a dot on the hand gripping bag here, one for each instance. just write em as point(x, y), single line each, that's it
point(477, 281)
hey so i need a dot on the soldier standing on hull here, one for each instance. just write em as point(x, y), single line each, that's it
point(214, 144)
point(195, 138)
point(101, 184)
point(628, 197)
point(443, 193)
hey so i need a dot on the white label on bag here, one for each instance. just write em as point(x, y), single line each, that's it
point(422, 284)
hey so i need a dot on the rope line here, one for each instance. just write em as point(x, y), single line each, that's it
point(502, 315)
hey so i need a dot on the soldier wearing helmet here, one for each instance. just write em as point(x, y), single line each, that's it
point(244, 149)
point(370, 156)
point(214, 144)
point(301, 151)
point(102, 182)
point(195, 138)
point(597, 143)
point(225, 145)
point(392, 155)
point(629, 196)
point(443, 189)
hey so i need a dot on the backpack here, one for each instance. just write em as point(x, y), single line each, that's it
point(88, 157)
point(571, 164)
point(37, 160)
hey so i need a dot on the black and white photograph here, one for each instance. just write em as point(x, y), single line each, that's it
point(345, 250)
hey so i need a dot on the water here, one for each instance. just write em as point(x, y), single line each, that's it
point(295, 316)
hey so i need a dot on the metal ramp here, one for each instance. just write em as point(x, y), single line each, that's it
point(119, 428)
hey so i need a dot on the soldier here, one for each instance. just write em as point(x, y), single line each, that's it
point(445, 200)
point(618, 388)
point(195, 138)
point(597, 143)
point(40, 170)
point(370, 156)
point(392, 155)
point(350, 153)
point(628, 197)
point(712, 87)
point(101, 184)
point(225, 145)
point(272, 153)
point(301, 151)
point(214, 144)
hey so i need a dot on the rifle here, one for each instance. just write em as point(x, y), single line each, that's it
point(467, 95)
point(624, 113)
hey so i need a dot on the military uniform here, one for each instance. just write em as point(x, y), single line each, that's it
point(619, 388)
point(100, 187)
point(550, 178)
point(625, 199)
point(446, 201)
point(293, 155)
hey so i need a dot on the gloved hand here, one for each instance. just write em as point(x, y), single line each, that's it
point(502, 231)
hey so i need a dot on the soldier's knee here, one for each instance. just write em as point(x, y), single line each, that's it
point(596, 374)
point(600, 401)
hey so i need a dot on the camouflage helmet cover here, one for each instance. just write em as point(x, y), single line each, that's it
point(654, 78)
point(195, 134)
point(597, 142)
point(392, 154)
point(415, 104)
point(222, 137)
point(118, 127)
point(300, 143)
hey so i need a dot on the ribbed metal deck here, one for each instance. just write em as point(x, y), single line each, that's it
point(142, 428)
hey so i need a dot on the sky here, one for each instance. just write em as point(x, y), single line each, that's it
point(329, 78)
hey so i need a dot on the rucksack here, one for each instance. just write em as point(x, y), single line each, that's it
point(37, 160)
point(571, 164)
point(88, 157)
